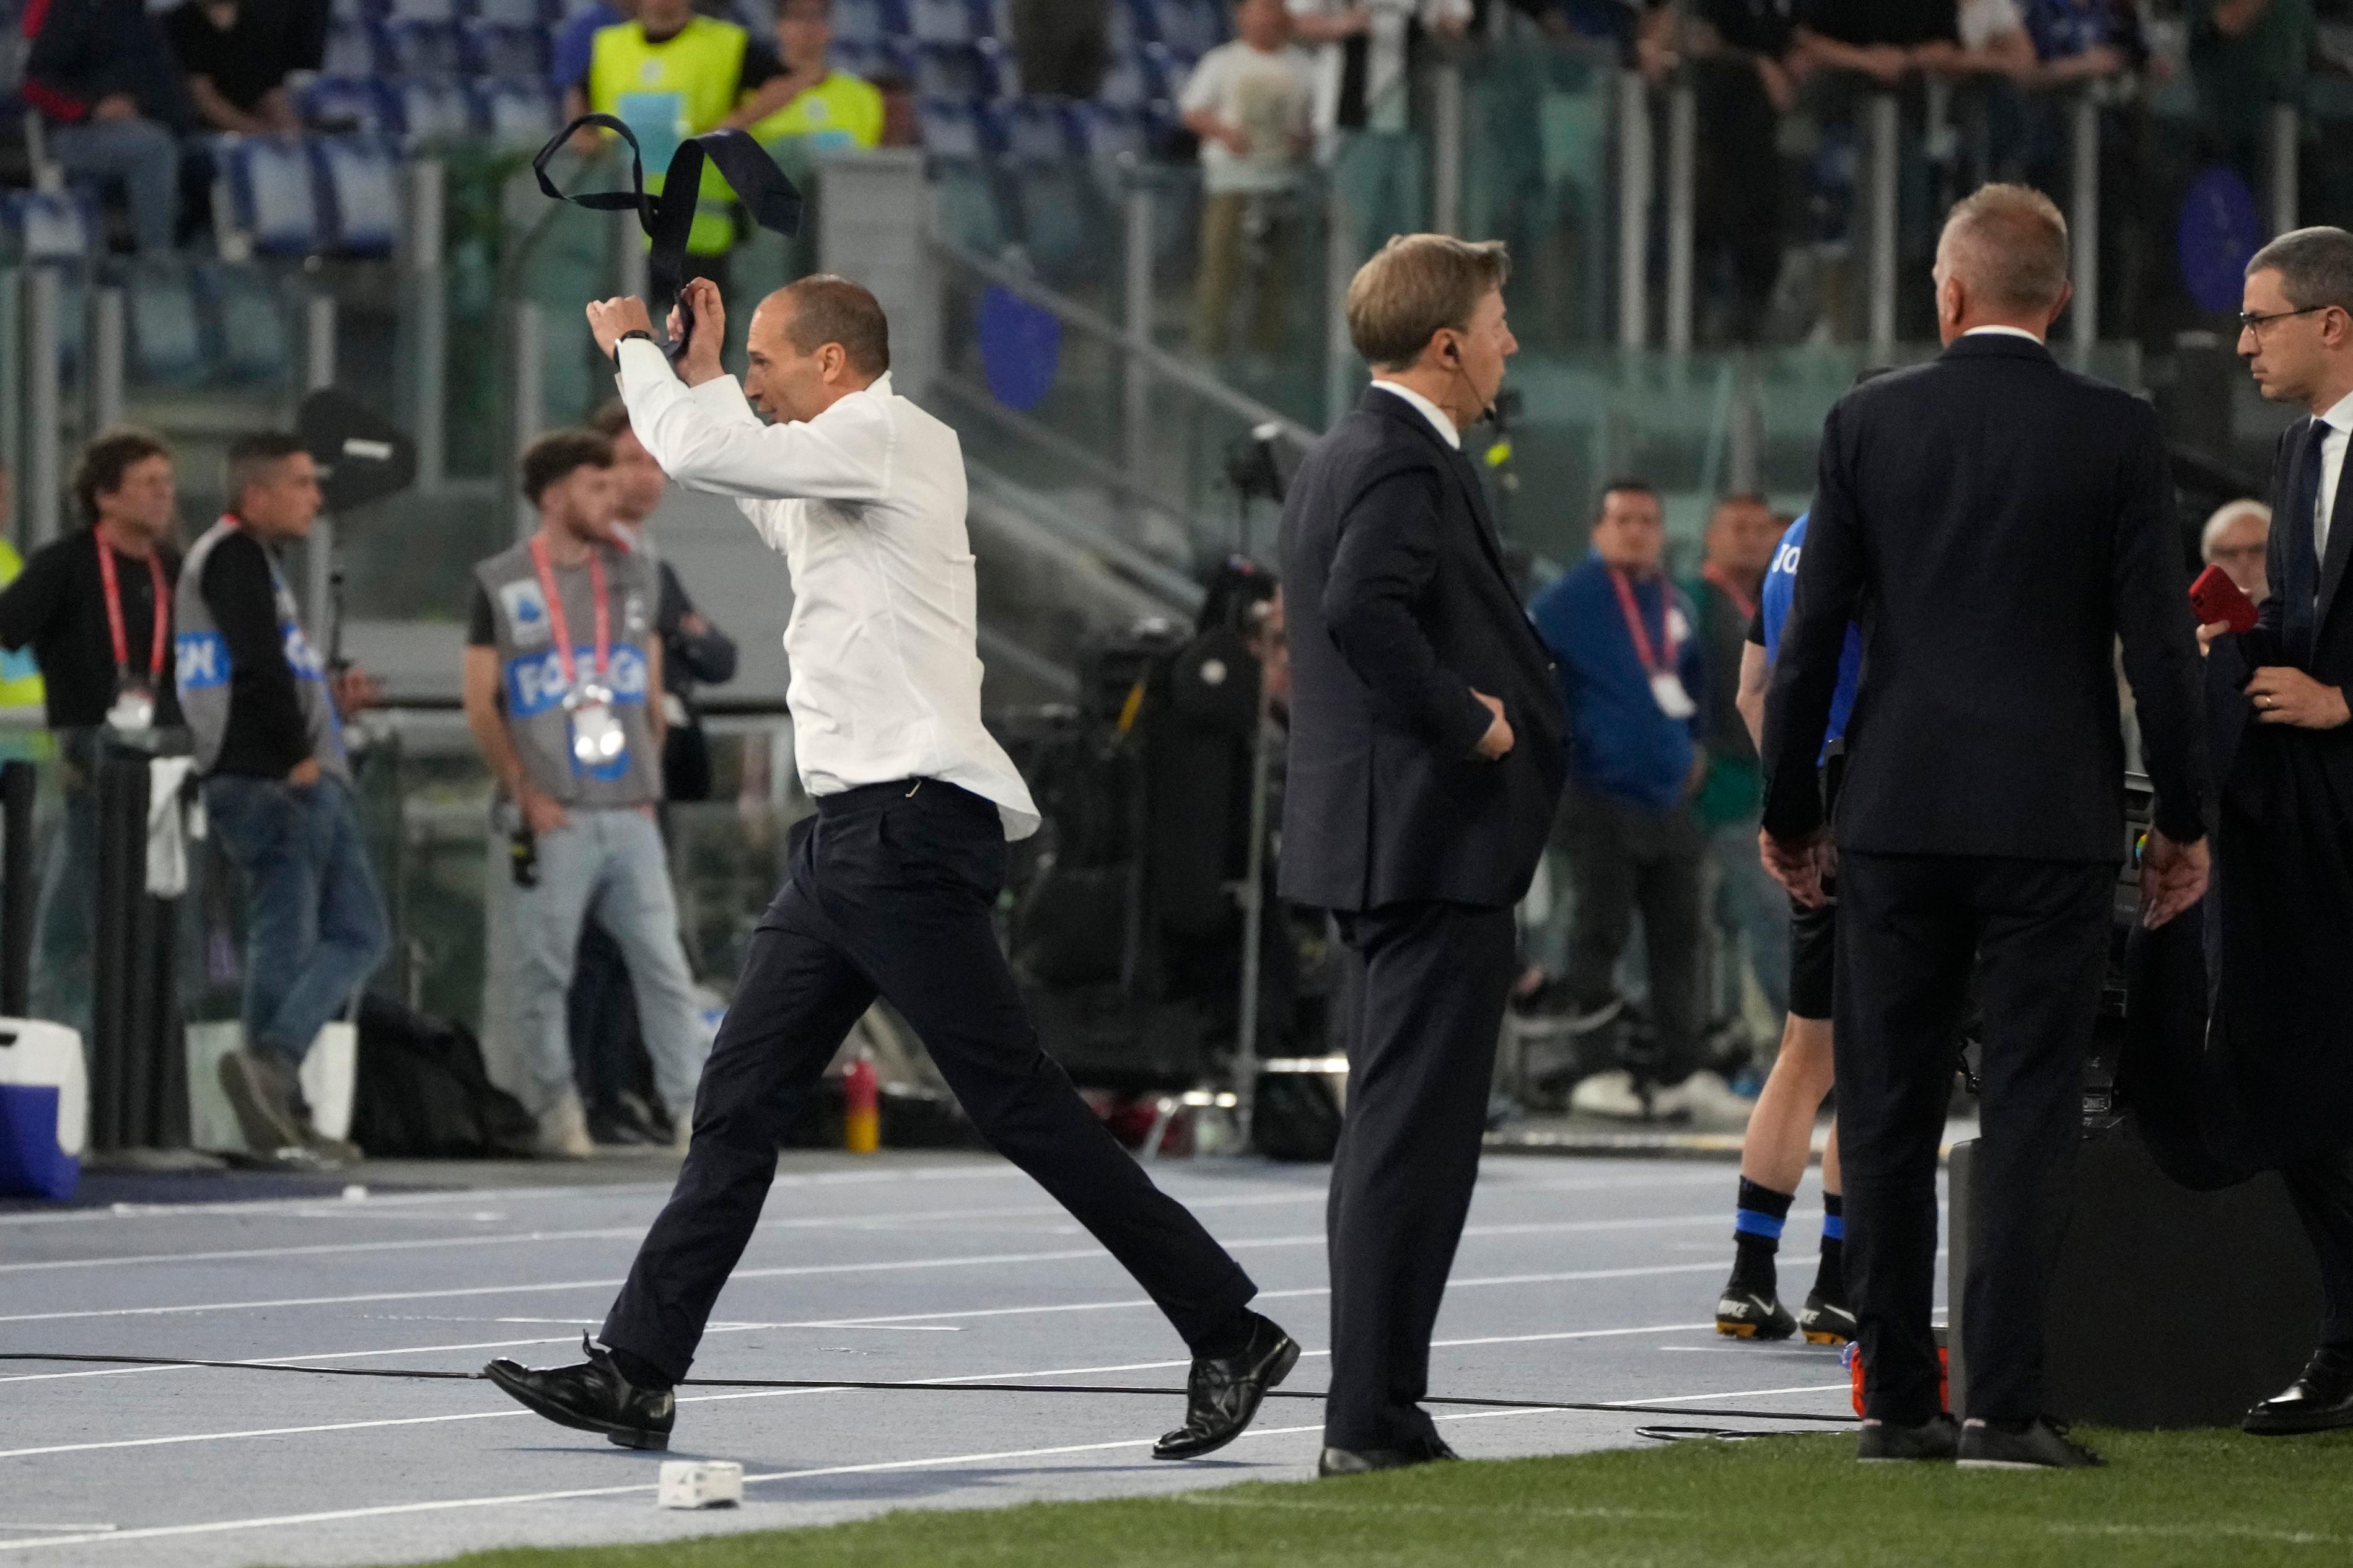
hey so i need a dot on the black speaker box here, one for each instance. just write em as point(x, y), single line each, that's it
point(2170, 1307)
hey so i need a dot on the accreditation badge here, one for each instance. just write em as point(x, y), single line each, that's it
point(597, 739)
point(133, 709)
point(1667, 691)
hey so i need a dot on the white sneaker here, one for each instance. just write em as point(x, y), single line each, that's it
point(1611, 1094)
point(564, 1132)
point(1709, 1100)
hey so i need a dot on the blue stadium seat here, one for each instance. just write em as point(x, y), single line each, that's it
point(354, 48)
point(432, 110)
point(272, 195)
point(954, 129)
point(951, 21)
point(1190, 27)
point(1039, 130)
point(360, 177)
point(496, 49)
point(1134, 22)
point(1137, 80)
point(1104, 133)
point(52, 225)
point(398, 11)
point(167, 333)
point(515, 113)
point(425, 49)
point(534, 13)
point(244, 324)
point(347, 11)
point(346, 102)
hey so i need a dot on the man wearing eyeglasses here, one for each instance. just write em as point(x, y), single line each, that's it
point(2285, 876)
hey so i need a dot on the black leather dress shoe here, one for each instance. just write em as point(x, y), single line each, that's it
point(2040, 1446)
point(1887, 1442)
point(592, 1398)
point(2320, 1400)
point(1222, 1393)
point(1363, 1461)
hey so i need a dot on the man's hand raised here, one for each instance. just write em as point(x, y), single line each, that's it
point(612, 319)
point(2172, 877)
point(700, 298)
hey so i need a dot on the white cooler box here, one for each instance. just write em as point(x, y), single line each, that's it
point(44, 1109)
point(328, 1075)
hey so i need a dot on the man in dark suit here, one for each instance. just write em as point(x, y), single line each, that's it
point(1995, 524)
point(2283, 877)
point(1426, 763)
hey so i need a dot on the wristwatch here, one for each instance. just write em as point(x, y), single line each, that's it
point(633, 332)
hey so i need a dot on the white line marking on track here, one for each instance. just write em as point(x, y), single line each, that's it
point(179, 1438)
point(1247, 1244)
point(880, 1467)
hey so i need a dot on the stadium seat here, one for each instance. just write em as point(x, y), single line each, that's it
point(1038, 130)
point(501, 50)
point(874, 62)
point(360, 178)
point(537, 14)
point(951, 21)
point(1136, 79)
point(272, 195)
point(347, 103)
point(425, 49)
point(432, 111)
point(167, 335)
point(354, 11)
point(354, 48)
point(953, 128)
point(514, 113)
point(1189, 27)
point(52, 225)
point(400, 11)
point(1104, 133)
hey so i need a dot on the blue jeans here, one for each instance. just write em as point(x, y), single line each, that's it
point(612, 864)
point(316, 924)
point(142, 155)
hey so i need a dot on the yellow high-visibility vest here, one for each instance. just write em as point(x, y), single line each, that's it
point(20, 677)
point(840, 112)
point(701, 72)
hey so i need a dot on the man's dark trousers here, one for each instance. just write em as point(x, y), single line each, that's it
point(1625, 858)
point(889, 894)
point(1909, 927)
point(1426, 1003)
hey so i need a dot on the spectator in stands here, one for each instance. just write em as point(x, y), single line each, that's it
point(2082, 40)
point(2237, 539)
point(561, 669)
point(815, 105)
point(112, 102)
point(2246, 57)
point(667, 72)
point(1250, 101)
point(236, 62)
point(1888, 41)
point(1745, 71)
point(1061, 47)
point(1749, 914)
point(278, 790)
point(1362, 52)
point(95, 607)
point(1633, 675)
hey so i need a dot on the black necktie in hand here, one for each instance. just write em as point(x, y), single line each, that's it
point(2302, 589)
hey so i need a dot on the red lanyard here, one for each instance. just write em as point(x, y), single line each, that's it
point(114, 611)
point(555, 609)
point(1743, 601)
point(1633, 612)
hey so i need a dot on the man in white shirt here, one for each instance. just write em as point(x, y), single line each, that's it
point(1249, 100)
point(892, 883)
point(1362, 95)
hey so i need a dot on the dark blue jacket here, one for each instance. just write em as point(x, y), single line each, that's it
point(1621, 744)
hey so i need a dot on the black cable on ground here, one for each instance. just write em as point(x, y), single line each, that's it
point(1634, 1408)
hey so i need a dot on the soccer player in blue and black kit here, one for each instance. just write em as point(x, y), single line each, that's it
point(1780, 1131)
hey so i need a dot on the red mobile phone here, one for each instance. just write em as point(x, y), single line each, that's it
point(2216, 598)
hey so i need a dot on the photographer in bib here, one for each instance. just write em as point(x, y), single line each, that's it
point(563, 676)
point(277, 786)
